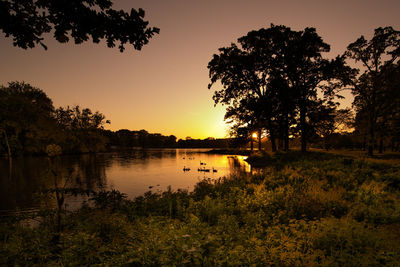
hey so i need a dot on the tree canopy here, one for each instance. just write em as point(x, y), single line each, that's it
point(26, 21)
point(283, 71)
point(29, 122)
point(376, 90)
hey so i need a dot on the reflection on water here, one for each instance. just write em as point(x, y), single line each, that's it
point(132, 172)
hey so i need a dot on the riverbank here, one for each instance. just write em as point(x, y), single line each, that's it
point(312, 209)
point(229, 151)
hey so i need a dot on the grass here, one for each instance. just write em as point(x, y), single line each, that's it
point(304, 209)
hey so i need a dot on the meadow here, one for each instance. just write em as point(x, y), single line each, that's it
point(303, 209)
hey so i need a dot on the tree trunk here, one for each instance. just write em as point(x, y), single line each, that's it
point(259, 139)
point(372, 119)
point(9, 154)
point(7, 144)
point(273, 145)
point(371, 136)
point(280, 143)
point(303, 129)
point(251, 142)
point(60, 201)
point(326, 143)
point(381, 145)
point(364, 143)
point(286, 134)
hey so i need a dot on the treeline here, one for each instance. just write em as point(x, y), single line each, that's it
point(277, 84)
point(29, 122)
point(129, 139)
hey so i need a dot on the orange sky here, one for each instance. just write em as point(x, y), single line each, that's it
point(163, 88)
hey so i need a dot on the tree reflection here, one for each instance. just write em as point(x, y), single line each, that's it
point(29, 175)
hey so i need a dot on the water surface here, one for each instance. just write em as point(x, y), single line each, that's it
point(132, 172)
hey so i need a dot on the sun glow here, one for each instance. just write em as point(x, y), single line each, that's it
point(254, 135)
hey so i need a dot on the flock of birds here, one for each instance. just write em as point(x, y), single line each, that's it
point(200, 169)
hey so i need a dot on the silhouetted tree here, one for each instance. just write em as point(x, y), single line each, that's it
point(26, 118)
point(270, 46)
point(308, 73)
point(245, 88)
point(247, 117)
point(26, 21)
point(377, 56)
point(82, 129)
point(282, 69)
point(391, 114)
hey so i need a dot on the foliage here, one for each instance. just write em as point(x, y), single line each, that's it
point(303, 209)
point(29, 123)
point(270, 80)
point(25, 111)
point(27, 21)
point(376, 89)
point(81, 129)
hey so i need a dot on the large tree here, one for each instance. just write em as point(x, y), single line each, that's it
point(371, 90)
point(284, 70)
point(244, 89)
point(26, 21)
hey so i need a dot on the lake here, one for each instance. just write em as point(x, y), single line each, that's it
point(132, 172)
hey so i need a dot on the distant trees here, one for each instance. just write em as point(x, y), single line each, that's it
point(128, 139)
point(204, 143)
point(81, 129)
point(29, 124)
point(271, 80)
point(376, 90)
point(26, 21)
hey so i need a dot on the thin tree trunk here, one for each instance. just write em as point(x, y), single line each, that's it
point(372, 120)
point(9, 155)
point(286, 134)
point(381, 145)
point(303, 129)
point(9, 167)
point(273, 145)
point(7, 144)
point(251, 142)
point(364, 144)
point(259, 139)
point(371, 141)
point(326, 143)
point(371, 136)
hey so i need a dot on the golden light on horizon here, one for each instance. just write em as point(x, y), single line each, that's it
point(254, 135)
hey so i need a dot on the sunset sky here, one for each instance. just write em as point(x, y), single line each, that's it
point(163, 87)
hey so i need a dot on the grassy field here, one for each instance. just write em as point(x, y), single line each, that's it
point(317, 208)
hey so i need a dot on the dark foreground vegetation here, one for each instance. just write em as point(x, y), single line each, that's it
point(304, 209)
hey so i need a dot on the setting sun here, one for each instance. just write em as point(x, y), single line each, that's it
point(254, 135)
